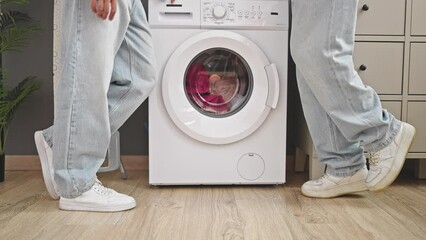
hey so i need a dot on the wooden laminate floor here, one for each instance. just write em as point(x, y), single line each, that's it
point(201, 213)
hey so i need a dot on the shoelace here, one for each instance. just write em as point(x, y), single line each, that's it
point(101, 189)
point(324, 177)
point(374, 159)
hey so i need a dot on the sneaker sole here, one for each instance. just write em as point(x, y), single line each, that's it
point(399, 161)
point(48, 181)
point(332, 193)
point(72, 206)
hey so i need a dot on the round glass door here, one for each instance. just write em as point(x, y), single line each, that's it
point(216, 87)
point(218, 82)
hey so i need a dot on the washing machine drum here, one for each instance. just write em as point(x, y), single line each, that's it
point(219, 87)
point(218, 83)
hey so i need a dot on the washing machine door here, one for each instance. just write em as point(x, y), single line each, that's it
point(219, 87)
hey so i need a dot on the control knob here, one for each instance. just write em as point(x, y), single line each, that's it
point(219, 12)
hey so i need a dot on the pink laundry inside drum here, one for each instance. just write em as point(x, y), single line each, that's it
point(200, 88)
point(197, 80)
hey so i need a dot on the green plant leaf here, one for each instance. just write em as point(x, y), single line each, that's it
point(5, 2)
point(11, 102)
point(3, 88)
point(15, 98)
point(12, 18)
point(14, 39)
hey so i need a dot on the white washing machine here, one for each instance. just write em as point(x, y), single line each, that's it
point(218, 114)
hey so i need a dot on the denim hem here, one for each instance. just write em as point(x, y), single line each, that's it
point(343, 174)
point(378, 145)
point(79, 192)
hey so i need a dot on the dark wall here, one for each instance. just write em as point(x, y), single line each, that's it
point(36, 59)
point(37, 112)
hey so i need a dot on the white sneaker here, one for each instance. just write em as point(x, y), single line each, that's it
point(386, 163)
point(45, 154)
point(331, 186)
point(98, 199)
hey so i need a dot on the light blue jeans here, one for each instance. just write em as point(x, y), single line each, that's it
point(344, 116)
point(108, 70)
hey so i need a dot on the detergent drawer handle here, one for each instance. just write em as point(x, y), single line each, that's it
point(177, 13)
point(273, 85)
point(173, 5)
point(176, 16)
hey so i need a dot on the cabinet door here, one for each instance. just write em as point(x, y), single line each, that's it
point(416, 116)
point(384, 65)
point(417, 82)
point(418, 21)
point(394, 107)
point(381, 17)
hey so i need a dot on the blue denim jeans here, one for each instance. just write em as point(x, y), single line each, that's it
point(108, 70)
point(344, 116)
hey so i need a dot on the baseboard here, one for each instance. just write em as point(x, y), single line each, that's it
point(32, 163)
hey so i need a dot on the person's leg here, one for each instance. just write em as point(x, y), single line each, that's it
point(134, 73)
point(341, 156)
point(132, 80)
point(322, 47)
point(81, 131)
point(345, 160)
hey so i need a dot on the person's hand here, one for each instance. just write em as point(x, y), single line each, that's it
point(104, 8)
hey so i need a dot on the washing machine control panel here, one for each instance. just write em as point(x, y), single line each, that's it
point(244, 13)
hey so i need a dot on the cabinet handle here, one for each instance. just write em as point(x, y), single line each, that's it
point(362, 67)
point(365, 7)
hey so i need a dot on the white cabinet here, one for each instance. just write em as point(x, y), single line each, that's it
point(418, 18)
point(394, 107)
point(381, 17)
point(417, 77)
point(372, 58)
point(416, 116)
